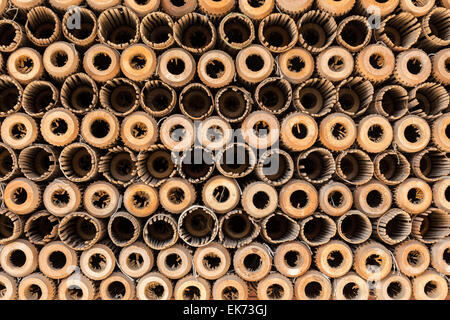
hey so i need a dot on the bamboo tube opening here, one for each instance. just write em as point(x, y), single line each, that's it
point(120, 96)
point(39, 162)
point(123, 229)
point(56, 260)
point(11, 93)
point(39, 97)
point(259, 199)
point(413, 195)
point(440, 256)
point(315, 97)
point(78, 162)
point(97, 262)
point(160, 231)
point(192, 288)
point(335, 198)
point(274, 95)
point(230, 287)
point(354, 33)
point(431, 165)
point(254, 63)
point(252, 262)
point(80, 231)
point(178, 8)
point(174, 262)
point(43, 26)
point(156, 30)
point(196, 165)
point(155, 166)
point(12, 35)
point(399, 31)
point(256, 9)
point(198, 226)
point(118, 27)
point(8, 162)
point(428, 100)
point(292, 259)
point(279, 228)
point(77, 287)
point(11, 226)
point(316, 30)
point(158, 98)
point(391, 167)
point(441, 194)
point(119, 166)
point(237, 160)
point(25, 65)
point(136, 260)
point(79, 93)
point(212, 261)
point(435, 30)
point(354, 96)
point(237, 229)
point(354, 227)
point(298, 199)
point(8, 287)
point(337, 131)
point(430, 286)
point(335, 63)
point(316, 165)
point(140, 200)
point(375, 63)
point(334, 259)
point(19, 258)
point(354, 167)
point(85, 35)
point(236, 31)
point(275, 167)
point(233, 103)
point(275, 287)
point(138, 62)
point(351, 287)
point(36, 287)
point(278, 32)
point(393, 227)
point(195, 33)
point(101, 62)
point(154, 286)
point(196, 101)
point(313, 285)
point(176, 195)
point(317, 229)
point(373, 261)
point(431, 226)
point(373, 198)
point(41, 228)
point(22, 196)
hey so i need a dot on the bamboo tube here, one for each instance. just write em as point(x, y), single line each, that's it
point(25, 65)
point(10, 95)
point(195, 33)
point(428, 100)
point(275, 167)
point(354, 227)
point(296, 65)
point(60, 60)
point(439, 256)
point(230, 287)
point(119, 166)
point(315, 96)
point(174, 262)
point(351, 287)
point(119, 96)
point(176, 195)
point(56, 260)
point(335, 198)
point(97, 262)
point(212, 261)
point(76, 287)
point(138, 62)
point(8, 162)
point(278, 32)
point(439, 135)
point(316, 165)
point(19, 258)
point(298, 131)
point(198, 226)
point(412, 67)
point(101, 199)
point(178, 9)
point(237, 229)
point(275, 287)
point(354, 166)
point(221, 194)
point(41, 228)
point(14, 35)
point(140, 200)
point(316, 30)
point(192, 288)
point(86, 34)
point(154, 286)
point(36, 286)
point(158, 98)
point(39, 162)
point(236, 31)
point(100, 128)
point(399, 31)
point(334, 63)
point(431, 226)
point(215, 69)
point(123, 229)
point(215, 8)
point(394, 287)
point(78, 162)
point(413, 195)
point(10, 287)
point(39, 97)
point(43, 26)
point(256, 10)
point(373, 198)
point(412, 257)
point(196, 101)
point(334, 259)
point(252, 262)
point(430, 165)
point(213, 133)
point(233, 103)
point(117, 287)
point(439, 71)
point(22, 196)
point(80, 231)
point(236, 160)
point(274, 95)
point(160, 231)
point(155, 166)
point(373, 261)
point(393, 227)
point(79, 93)
point(353, 32)
point(19, 130)
point(441, 191)
point(434, 29)
point(142, 8)
point(391, 102)
point(317, 229)
point(313, 285)
point(11, 227)
point(196, 165)
point(292, 259)
point(176, 67)
point(298, 199)
point(259, 199)
point(136, 260)
point(156, 30)
point(337, 131)
point(375, 63)
point(391, 167)
point(279, 228)
point(375, 133)
point(101, 62)
point(430, 286)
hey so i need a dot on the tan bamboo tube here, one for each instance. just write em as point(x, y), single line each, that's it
point(298, 199)
point(441, 194)
point(118, 27)
point(254, 63)
point(221, 194)
point(317, 229)
point(354, 227)
point(275, 167)
point(256, 10)
point(315, 97)
point(373, 198)
point(413, 195)
point(233, 103)
point(212, 261)
point(412, 257)
point(439, 130)
point(296, 65)
point(260, 129)
point(394, 33)
point(298, 131)
point(138, 131)
point(237, 229)
point(158, 98)
point(11, 226)
point(60, 60)
point(412, 67)
point(63, 5)
point(430, 165)
point(215, 8)
point(316, 30)
point(373, 261)
point(19, 258)
point(142, 8)
point(192, 288)
point(176, 195)
point(252, 262)
point(385, 8)
point(9, 167)
point(156, 30)
point(216, 68)
point(160, 231)
point(196, 165)
point(43, 26)
point(315, 165)
point(123, 228)
point(117, 287)
point(97, 262)
point(154, 286)
point(119, 166)
point(56, 260)
point(198, 226)
point(393, 227)
point(22, 196)
point(445, 3)
point(294, 9)
point(178, 9)
point(336, 7)
point(196, 101)
point(274, 95)
point(101, 199)
point(391, 167)
point(375, 133)
point(101, 62)
point(334, 259)
point(80, 231)
point(25, 65)
point(195, 33)
point(292, 259)
point(391, 102)
point(335, 198)
point(431, 226)
point(59, 127)
point(78, 162)
point(337, 131)
point(140, 200)
point(236, 31)
point(279, 228)
point(176, 67)
point(19, 130)
point(275, 287)
point(354, 96)
point(259, 199)
point(439, 71)
point(226, 160)
point(36, 286)
point(11, 94)
point(394, 287)
point(138, 62)
point(278, 32)
point(351, 287)
point(14, 34)
point(26, 4)
point(313, 285)
point(435, 29)
point(100, 128)
point(39, 97)
point(334, 63)
point(177, 132)
point(214, 133)
point(41, 228)
point(375, 63)
point(174, 262)
point(155, 166)
point(230, 287)
point(102, 5)
point(439, 256)
point(354, 166)
point(86, 34)
point(76, 287)
point(39, 162)
point(9, 285)
point(428, 100)
point(354, 32)
point(136, 260)
point(120, 96)
point(79, 93)
point(430, 286)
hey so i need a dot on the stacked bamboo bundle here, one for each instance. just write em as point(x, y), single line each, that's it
point(224, 149)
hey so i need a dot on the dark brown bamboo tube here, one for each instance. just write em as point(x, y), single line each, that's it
point(317, 229)
point(9, 166)
point(154, 286)
point(25, 65)
point(102, 5)
point(177, 132)
point(430, 165)
point(22, 196)
point(354, 166)
point(391, 102)
point(373, 261)
point(36, 286)
point(440, 132)
point(441, 194)
point(195, 33)
point(391, 167)
point(394, 287)
point(412, 67)
point(399, 31)
point(393, 227)
point(19, 130)
point(178, 9)
point(431, 226)
point(119, 166)
point(56, 260)
point(236, 160)
point(77, 287)
point(196, 165)
point(278, 32)
point(156, 30)
point(214, 133)
point(315, 97)
point(120, 96)
point(296, 65)
point(39, 162)
point(260, 129)
point(138, 62)
point(252, 262)
point(101, 62)
point(80, 231)
point(176, 67)
point(298, 131)
point(192, 288)
point(123, 229)
point(313, 285)
point(118, 27)
point(158, 98)
point(11, 227)
point(136, 260)
point(39, 97)
point(221, 194)
point(236, 31)
point(233, 103)
point(230, 287)
point(412, 257)
point(294, 9)
point(155, 166)
point(375, 63)
point(337, 131)
point(298, 199)
point(9, 285)
point(292, 259)
point(439, 70)
point(354, 32)
point(334, 63)
point(176, 195)
point(430, 285)
point(275, 167)
point(254, 63)
point(428, 100)
point(160, 231)
point(215, 8)
point(275, 287)
point(316, 30)
point(274, 95)
point(196, 101)
point(97, 262)
point(237, 229)
point(212, 261)
point(140, 200)
point(385, 8)
point(11, 94)
point(334, 259)
point(138, 131)
point(375, 133)
point(60, 60)
point(354, 227)
point(259, 199)
point(439, 256)
point(198, 226)
point(142, 8)
point(435, 29)
point(13, 35)
point(413, 195)
point(101, 199)
point(373, 198)
point(86, 34)
point(315, 165)
point(117, 287)
point(279, 228)
point(216, 68)
point(335, 198)
point(78, 162)
point(354, 96)
point(256, 10)
point(174, 262)
point(61, 197)
point(41, 228)
point(351, 287)
point(43, 26)
point(19, 258)
point(100, 128)
point(79, 93)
